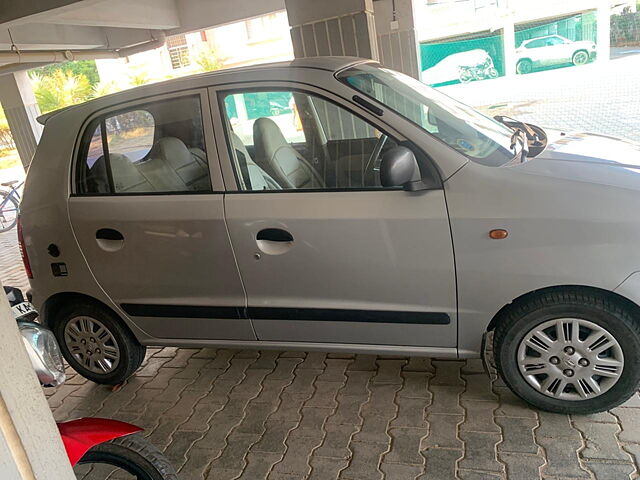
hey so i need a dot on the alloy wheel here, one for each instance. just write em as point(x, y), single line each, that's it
point(570, 359)
point(92, 345)
point(580, 58)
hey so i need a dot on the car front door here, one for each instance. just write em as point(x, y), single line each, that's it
point(326, 254)
point(147, 211)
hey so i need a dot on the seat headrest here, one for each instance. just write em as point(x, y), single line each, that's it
point(173, 150)
point(268, 136)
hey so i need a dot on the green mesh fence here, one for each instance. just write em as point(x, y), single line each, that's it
point(441, 61)
point(575, 28)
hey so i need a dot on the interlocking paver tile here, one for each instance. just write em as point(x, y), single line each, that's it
point(440, 463)
point(272, 441)
point(479, 416)
point(630, 420)
point(419, 364)
point(480, 451)
point(601, 442)
point(520, 466)
point(259, 465)
point(562, 457)
point(445, 399)
point(325, 468)
point(336, 441)
point(447, 372)
point(398, 471)
point(517, 433)
point(610, 471)
point(365, 461)
point(416, 386)
point(443, 431)
point(406, 446)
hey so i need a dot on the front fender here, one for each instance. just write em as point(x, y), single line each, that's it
point(78, 436)
point(630, 288)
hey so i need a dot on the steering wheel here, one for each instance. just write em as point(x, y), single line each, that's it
point(371, 162)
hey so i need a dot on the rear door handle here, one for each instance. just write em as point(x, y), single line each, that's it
point(274, 241)
point(274, 235)
point(109, 240)
point(109, 234)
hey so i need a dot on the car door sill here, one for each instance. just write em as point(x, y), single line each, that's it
point(440, 352)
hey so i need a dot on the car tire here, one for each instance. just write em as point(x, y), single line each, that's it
point(593, 314)
point(581, 57)
point(524, 66)
point(96, 343)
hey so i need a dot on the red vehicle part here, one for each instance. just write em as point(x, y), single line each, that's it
point(80, 435)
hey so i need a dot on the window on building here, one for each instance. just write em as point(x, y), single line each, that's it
point(178, 51)
point(260, 28)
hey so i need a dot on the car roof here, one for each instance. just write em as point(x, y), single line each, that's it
point(332, 64)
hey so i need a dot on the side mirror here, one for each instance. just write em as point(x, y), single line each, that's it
point(399, 168)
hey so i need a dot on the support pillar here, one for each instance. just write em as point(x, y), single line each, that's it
point(509, 46)
point(396, 34)
point(385, 33)
point(342, 28)
point(21, 109)
point(30, 444)
point(603, 26)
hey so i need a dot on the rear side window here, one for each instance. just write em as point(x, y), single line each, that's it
point(157, 147)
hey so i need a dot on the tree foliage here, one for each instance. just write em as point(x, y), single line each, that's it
point(80, 67)
point(60, 89)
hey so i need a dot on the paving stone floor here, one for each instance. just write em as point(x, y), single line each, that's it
point(228, 414)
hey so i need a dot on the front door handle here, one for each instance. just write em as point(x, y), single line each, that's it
point(274, 241)
point(109, 240)
point(274, 235)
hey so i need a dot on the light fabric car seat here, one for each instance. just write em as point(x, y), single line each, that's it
point(126, 176)
point(171, 167)
point(254, 177)
point(273, 152)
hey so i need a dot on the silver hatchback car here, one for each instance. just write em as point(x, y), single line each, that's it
point(332, 204)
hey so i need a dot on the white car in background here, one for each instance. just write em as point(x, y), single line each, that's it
point(552, 50)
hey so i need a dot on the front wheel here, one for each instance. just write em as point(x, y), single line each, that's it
point(570, 351)
point(580, 58)
point(8, 212)
point(129, 457)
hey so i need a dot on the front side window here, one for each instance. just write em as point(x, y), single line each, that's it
point(291, 140)
point(157, 147)
point(480, 138)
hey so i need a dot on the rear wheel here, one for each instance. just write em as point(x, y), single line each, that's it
point(96, 343)
point(524, 66)
point(8, 212)
point(570, 351)
point(130, 457)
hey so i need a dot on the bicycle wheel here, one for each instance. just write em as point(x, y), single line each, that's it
point(8, 212)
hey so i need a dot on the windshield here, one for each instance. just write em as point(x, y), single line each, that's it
point(476, 136)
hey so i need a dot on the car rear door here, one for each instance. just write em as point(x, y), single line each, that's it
point(147, 211)
point(339, 259)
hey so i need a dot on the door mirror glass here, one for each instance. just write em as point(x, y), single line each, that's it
point(399, 168)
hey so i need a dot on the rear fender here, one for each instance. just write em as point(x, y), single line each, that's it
point(78, 436)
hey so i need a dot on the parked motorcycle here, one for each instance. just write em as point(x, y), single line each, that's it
point(114, 445)
point(478, 72)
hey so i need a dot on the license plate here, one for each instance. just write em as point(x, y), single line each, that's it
point(22, 309)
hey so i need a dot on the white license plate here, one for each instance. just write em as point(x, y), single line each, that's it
point(22, 309)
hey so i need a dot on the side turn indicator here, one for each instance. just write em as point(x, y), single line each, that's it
point(498, 234)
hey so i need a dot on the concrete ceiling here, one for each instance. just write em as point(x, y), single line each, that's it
point(110, 25)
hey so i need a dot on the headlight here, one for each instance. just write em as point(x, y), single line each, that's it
point(44, 353)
